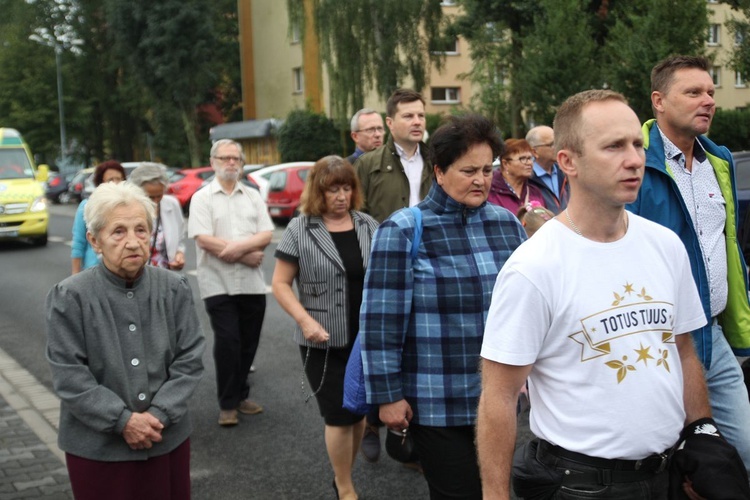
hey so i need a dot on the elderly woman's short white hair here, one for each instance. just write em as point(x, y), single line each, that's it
point(148, 172)
point(107, 197)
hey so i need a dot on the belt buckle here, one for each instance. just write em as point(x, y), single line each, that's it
point(664, 459)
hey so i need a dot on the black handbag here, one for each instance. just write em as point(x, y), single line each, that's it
point(400, 446)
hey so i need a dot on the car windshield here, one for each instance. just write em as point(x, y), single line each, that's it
point(14, 164)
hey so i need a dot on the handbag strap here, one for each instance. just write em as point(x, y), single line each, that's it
point(417, 231)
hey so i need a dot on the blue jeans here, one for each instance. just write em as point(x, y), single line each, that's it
point(728, 396)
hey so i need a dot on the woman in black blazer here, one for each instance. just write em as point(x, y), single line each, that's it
point(326, 250)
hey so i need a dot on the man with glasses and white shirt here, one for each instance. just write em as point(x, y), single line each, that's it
point(367, 132)
point(393, 176)
point(231, 227)
point(546, 175)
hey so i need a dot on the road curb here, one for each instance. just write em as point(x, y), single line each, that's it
point(35, 404)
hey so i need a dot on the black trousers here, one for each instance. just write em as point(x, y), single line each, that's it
point(236, 321)
point(449, 460)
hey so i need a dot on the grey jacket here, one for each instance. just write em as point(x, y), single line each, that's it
point(321, 281)
point(115, 350)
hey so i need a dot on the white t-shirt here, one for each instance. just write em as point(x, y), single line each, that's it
point(598, 323)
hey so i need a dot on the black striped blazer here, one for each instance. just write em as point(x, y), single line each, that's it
point(321, 280)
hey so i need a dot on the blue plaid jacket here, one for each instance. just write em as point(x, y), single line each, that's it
point(422, 322)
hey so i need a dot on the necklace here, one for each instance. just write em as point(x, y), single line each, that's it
point(572, 224)
point(578, 231)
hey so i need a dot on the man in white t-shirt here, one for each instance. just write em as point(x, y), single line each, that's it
point(597, 330)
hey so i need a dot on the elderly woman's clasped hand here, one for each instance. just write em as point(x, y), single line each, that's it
point(142, 430)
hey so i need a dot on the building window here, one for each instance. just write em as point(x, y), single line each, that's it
point(295, 33)
point(449, 47)
point(446, 95)
point(713, 1)
point(448, 2)
point(738, 39)
point(713, 34)
point(739, 80)
point(298, 80)
point(715, 73)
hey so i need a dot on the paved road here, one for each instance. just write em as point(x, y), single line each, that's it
point(279, 454)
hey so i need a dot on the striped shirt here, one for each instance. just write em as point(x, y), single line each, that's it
point(232, 217)
point(321, 279)
point(422, 323)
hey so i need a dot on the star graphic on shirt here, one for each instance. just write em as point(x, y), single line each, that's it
point(643, 354)
point(628, 288)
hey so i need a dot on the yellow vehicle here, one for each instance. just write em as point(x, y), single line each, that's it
point(23, 207)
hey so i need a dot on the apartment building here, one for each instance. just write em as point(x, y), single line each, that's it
point(732, 89)
point(281, 72)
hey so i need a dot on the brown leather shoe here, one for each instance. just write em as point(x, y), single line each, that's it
point(249, 407)
point(228, 418)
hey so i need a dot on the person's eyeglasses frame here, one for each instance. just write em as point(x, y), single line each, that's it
point(371, 130)
point(522, 159)
point(227, 159)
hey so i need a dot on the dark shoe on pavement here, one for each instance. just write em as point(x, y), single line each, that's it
point(249, 407)
point(228, 418)
point(371, 443)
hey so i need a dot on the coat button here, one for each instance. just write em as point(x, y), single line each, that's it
point(141, 397)
point(130, 295)
point(131, 328)
point(135, 362)
point(389, 168)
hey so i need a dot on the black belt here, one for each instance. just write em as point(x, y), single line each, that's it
point(609, 470)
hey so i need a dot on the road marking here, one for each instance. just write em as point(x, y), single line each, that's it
point(36, 405)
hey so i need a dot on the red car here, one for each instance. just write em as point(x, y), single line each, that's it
point(184, 183)
point(284, 190)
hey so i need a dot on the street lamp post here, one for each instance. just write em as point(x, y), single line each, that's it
point(60, 106)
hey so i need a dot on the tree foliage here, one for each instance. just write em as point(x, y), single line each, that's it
point(119, 103)
point(731, 128)
point(542, 51)
point(551, 70)
point(372, 44)
point(307, 136)
point(645, 32)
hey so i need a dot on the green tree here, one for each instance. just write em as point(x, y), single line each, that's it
point(171, 46)
point(644, 32)
point(560, 57)
point(372, 44)
point(308, 136)
point(731, 128)
point(495, 29)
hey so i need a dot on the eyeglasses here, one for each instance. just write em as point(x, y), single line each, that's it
point(228, 159)
point(372, 130)
point(548, 145)
point(523, 159)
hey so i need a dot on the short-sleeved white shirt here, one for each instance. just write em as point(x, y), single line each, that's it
point(238, 215)
point(598, 324)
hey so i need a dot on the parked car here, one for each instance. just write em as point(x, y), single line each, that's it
point(76, 186)
point(129, 166)
point(263, 175)
point(186, 182)
point(284, 189)
point(57, 186)
point(245, 180)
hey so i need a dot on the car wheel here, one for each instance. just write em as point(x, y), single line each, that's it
point(39, 241)
point(64, 198)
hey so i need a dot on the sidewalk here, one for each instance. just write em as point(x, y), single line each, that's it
point(31, 464)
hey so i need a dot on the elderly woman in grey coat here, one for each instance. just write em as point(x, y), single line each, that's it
point(125, 346)
point(167, 247)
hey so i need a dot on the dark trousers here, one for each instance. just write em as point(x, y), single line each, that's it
point(166, 477)
point(236, 321)
point(449, 461)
